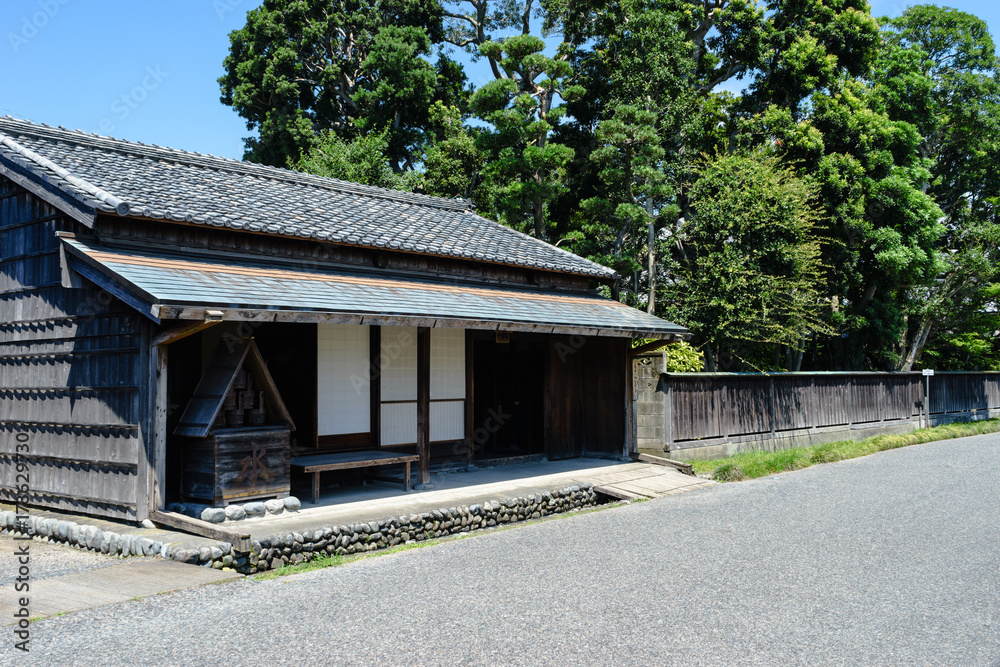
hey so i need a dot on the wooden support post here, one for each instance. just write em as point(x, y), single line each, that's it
point(159, 363)
point(668, 413)
point(145, 465)
point(424, 406)
point(631, 444)
point(375, 384)
point(470, 397)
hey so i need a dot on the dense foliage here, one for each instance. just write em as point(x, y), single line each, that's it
point(838, 211)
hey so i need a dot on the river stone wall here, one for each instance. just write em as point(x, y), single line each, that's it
point(293, 548)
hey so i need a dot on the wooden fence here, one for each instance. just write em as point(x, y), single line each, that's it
point(690, 411)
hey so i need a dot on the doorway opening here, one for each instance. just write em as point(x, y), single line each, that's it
point(509, 389)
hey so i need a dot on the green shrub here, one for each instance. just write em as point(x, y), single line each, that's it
point(728, 472)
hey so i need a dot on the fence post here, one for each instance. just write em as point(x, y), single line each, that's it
point(774, 408)
point(813, 405)
point(850, 402)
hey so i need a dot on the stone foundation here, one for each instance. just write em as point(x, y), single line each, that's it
point(293, 548)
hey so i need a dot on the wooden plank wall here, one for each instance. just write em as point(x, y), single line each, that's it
point(70, 372)
point(584, 388)
point(957, 393)
point(701, 409)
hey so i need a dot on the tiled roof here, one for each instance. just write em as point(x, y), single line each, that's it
point(132, 179)
point(171, 281)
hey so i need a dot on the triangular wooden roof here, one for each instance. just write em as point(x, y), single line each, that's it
point(206, 403)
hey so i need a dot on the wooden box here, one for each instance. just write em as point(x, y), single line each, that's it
point(235, 442)
point(236, 465)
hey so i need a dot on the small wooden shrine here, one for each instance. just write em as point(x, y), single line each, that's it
point(234, 432)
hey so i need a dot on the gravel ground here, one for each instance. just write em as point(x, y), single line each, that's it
point(887, 560)
point(47, 560)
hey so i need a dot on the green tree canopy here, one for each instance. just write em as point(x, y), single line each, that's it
point(748, 270)
point(301, 67)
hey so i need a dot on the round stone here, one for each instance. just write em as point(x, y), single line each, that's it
point(255, 509)
point(235, 512)
point(292, 504)
point(275, 506)
point(213, 514)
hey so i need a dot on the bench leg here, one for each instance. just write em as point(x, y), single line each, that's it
point(316, 487)
point(406, 477)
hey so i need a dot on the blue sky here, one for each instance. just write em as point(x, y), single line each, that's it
point(146, 70)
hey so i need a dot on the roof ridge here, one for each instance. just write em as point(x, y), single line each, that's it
point(224, 164)
point(119, 205)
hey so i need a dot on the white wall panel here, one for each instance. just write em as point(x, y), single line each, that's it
point(399, 364)
point(447, 420)
point(399, 423)
point(447, 364)
point(343, 391)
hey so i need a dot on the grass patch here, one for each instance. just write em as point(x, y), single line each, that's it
point(317, 563)
point(748, 465)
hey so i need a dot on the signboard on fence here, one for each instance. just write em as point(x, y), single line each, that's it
point(928, 372)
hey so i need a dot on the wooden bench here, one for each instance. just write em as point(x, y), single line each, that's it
point(317, 463)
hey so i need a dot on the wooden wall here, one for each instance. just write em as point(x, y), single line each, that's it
point(585, 387)
point(72, 363)
point(705, 409)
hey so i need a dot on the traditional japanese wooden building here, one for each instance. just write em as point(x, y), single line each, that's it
point(397, 324)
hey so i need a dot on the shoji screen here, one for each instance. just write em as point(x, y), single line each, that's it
point(343, 396)
point(399, 385)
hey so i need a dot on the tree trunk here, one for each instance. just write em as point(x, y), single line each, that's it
point(709, 358)
point(919, 340)
point(651, 306)
point(538, 210)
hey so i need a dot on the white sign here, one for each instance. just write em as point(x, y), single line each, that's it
point(928, 371)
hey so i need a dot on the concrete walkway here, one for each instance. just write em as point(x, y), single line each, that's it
point(64, 579)
point(123, 581)
point(382, 500)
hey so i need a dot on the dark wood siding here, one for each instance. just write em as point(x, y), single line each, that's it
point(71, 372)
point(585, 396)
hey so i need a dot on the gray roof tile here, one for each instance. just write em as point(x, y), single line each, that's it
point(124, 178)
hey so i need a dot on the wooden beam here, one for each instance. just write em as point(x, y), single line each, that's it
point(649, 347)
point(252, 313)
point(238, 539)
point(470, 397)
point(375, 384)
point(631, 444)
point(685, 468)
point(175, 334)
point(424, 406)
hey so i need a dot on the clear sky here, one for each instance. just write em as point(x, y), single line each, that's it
point(146, 70)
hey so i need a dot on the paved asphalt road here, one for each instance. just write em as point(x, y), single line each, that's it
point(891, 559)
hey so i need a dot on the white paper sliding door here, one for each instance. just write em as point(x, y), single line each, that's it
point(343, 391)
point(447, 384)
point(399, 385)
